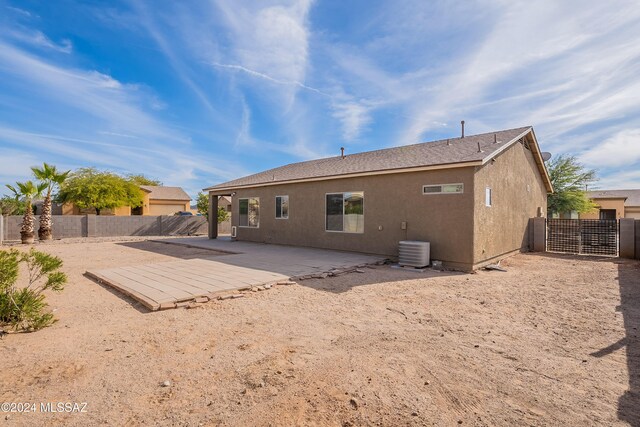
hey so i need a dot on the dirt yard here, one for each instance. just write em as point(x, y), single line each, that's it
point(553, 341)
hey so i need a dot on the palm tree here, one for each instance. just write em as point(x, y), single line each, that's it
point(27, 191)
point(49, 176)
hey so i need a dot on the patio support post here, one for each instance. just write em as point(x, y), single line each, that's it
point(213, 216)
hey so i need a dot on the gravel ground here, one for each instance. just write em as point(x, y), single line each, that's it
point(553, 341)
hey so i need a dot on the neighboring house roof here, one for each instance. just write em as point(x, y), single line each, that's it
point(446, 153)
point(632, 196)
point(166, 193)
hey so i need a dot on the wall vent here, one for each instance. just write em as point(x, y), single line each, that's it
point(414, 253)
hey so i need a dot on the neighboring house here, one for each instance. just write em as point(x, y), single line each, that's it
point(225, 203)
point(158, 200)
point(471, 198)
point(162, 200)
point(614, 204)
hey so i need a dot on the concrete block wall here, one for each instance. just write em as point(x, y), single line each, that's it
point(627, 238)
point(224, 227)
point(107, 226)
point(637, 238)
point(70, 226)
point(183, 225)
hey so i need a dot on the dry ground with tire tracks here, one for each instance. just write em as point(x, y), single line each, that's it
point(553, 341)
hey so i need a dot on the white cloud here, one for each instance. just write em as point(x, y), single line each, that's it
point(244, 134)
point(270, 40)
point(626, 180)
point(622, 149)
point(88, 118)
point(354, 116)
point(172, 53)
point(38, 38)
point(100, 95)
point(19, 11)
point(268, 77)
point(15, 166)
point(562, 67)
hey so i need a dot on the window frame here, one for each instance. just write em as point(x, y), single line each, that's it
point(276, 206)
point(248, 199)
point(488, 197)
point(461, 184)
point(343, 215)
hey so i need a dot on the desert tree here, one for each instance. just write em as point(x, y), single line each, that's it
point(27, 191)
point(90, 188)
point(140, 179)
point(11, 206)
point(24, 308)
point(52, 178)
point(569, 179)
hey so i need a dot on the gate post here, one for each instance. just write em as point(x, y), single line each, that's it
point(539, 225)
point(627, 238)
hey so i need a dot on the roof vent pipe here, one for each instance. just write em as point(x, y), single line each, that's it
point(495, 138)
point(479, 149)
point(342, 152)
point(462, 123)
point(448, 141)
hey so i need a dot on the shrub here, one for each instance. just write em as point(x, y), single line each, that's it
point(25, 308)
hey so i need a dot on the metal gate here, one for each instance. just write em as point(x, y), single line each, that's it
point(583, 236)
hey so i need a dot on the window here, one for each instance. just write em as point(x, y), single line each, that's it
point(487, 196)
point(345, 212)
point(282, 207)
point(443, 189)
point(607, 214)
point(249, 212)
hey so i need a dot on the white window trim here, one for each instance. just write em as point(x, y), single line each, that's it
point(325, 213)
point(248, 226)
point(490, 197)
point(288, 207)
point(442, 192)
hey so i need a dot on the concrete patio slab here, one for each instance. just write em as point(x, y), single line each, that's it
point(242, 265)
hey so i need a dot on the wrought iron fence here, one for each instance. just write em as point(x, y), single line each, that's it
point(583, 236)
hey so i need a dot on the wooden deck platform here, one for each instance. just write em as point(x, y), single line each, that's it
point(155, 285)
point(162, 285)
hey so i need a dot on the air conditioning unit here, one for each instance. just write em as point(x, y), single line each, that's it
point(234, 231)
point(414, 253)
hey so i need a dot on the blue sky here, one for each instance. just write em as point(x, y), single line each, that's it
point(196, 93)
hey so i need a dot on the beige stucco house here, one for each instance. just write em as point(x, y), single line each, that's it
point(470, 197)
point(163, 200)
point(614, 204)
point(158, 200)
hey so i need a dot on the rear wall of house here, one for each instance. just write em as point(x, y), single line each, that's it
point(617, 204)
point(517, 193)
point(444, 220)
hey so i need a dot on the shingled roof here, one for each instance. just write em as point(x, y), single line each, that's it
point(165, 193)
point(632, 196)
point(454, 152)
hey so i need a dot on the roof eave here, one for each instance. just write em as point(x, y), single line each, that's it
point(608, 198)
